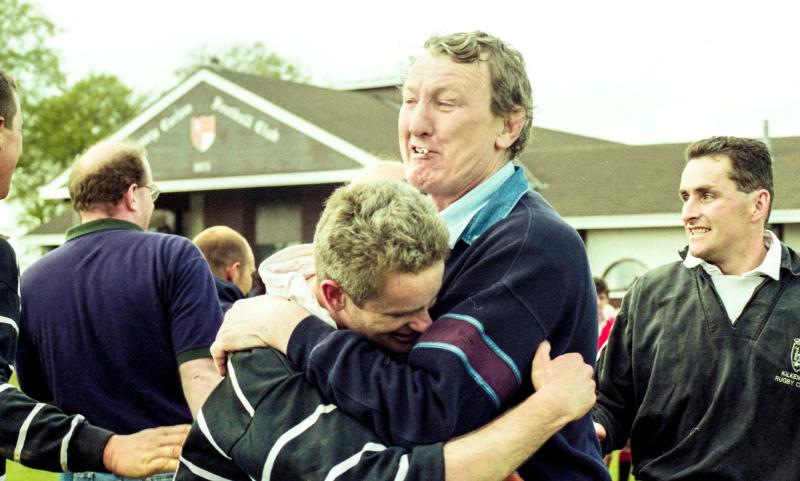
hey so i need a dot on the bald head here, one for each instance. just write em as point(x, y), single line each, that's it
point(228, 254)
point(101, 176)
point(383, 170)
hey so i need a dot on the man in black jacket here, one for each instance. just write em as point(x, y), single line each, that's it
point(701, 369)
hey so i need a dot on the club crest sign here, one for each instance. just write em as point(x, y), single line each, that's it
point(203, 132)
point(796, 355)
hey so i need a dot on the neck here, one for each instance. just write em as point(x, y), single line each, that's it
point(442, 202)
point(751, 256)
point(89, 216)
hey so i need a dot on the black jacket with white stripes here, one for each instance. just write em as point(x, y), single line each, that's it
point(265, 421)
point(33, 433)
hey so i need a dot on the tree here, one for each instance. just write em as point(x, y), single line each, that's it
point(61, 127)
point(25, 50)
point(255, 59)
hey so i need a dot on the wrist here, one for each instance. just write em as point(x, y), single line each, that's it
point(109, 454)
point(554, 408)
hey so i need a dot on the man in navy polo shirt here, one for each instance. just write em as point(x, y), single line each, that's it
point(37, 434)
point(116, 323)
point(517, 274)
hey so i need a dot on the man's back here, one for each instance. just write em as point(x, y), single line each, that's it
point(108, 317)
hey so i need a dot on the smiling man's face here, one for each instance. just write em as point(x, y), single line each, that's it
point(395, 319)
point(715, 213)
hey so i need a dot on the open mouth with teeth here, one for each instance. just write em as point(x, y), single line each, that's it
point(421, 150)
point(698, 230)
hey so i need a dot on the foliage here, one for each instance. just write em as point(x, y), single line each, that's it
point(255, 59)
point(25, 50)
point(61, 127)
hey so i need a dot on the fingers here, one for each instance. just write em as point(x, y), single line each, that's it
point(179, 429)
point(601, 431)
point(220, 357)
point(542, 356)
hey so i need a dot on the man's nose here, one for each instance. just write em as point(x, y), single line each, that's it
point(421, 322)
point(688, 210)
point(420, 123)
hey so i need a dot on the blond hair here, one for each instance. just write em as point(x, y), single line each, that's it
point(370, 229)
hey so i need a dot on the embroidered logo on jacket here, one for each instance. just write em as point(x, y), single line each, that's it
point(796, 355)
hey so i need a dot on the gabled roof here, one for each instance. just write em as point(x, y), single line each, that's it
point(267, 133)
point(287, 133)
point(637, 185)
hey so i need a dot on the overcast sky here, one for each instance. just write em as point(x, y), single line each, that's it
point(629, 71)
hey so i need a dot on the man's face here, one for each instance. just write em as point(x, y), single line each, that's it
point(10, 149)
point(715, 214)
point(602, 302)
point(396, 318)
point(447, 130)
point(145, 198)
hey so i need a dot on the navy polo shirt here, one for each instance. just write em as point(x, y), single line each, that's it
point(108, 317)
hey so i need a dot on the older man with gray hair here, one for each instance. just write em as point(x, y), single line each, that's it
point(517, 274)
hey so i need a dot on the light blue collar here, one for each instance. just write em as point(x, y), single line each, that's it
point(458, 214)
point(494, 200)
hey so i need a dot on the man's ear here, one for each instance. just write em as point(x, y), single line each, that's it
point(761, 204)
point(232, 272)
point(334, 296)
point(512, 128)
point(129, 199)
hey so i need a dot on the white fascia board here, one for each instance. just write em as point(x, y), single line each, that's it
point(785, 216)
point(56, 189)
point(643, 221)
point(624, 221)
point(247, 181)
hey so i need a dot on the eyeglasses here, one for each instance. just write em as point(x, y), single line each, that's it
point(154, 191)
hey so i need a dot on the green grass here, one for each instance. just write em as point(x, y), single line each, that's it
point(17, 472)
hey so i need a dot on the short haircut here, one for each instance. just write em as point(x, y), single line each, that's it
point(600, 286)
point(751, 162)
point(370, 229)
point(8, 99)
point(511, 88)
point(223, 246)
point(101, 185)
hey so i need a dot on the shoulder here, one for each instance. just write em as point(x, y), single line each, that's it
point(169, 246)
point(8, 263)
point(659, 284)
point(7, 256)
point(535, 229)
